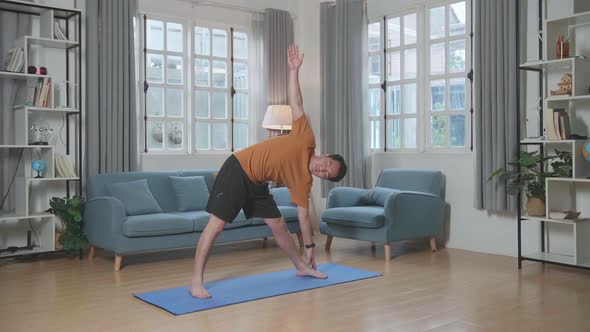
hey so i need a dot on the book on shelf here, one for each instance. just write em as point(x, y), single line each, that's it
point(15, 60)
point(557, 124)
point(38, 92)
point(58, 32)
point(63, 167)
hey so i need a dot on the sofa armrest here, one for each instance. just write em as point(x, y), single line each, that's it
point(282, 196)
point(346, 196)
point(103, 219)
point(410, 214)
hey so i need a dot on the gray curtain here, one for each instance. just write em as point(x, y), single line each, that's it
point(278, 35)
point(12, 26)
point(342, 31)
point(111, 114)
point(495, 57)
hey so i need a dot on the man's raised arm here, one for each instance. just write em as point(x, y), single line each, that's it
point(295, 99)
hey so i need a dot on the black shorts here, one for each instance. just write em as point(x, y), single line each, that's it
point(233, 191)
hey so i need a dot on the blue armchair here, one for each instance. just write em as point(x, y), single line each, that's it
point(405, 204)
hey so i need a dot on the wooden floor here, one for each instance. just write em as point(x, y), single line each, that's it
point(451, 290)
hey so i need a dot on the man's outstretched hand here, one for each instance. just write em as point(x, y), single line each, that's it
point(295, 59)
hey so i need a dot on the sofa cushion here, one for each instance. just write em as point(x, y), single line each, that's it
point(357, 216)
point(378, 195)
point(201, 218)
point(288, 212)
point(135, 196)
point(156, 224)
point(191, 192)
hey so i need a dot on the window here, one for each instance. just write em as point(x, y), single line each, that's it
point(448, 46)
point(406, 93)
point(197, 98)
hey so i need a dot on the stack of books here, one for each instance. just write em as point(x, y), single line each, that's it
point(557, 124)
point(15, 60)
point(38, 92)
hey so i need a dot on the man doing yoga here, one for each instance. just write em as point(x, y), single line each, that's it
point(242, 184)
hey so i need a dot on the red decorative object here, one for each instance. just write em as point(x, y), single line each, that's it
point(43, 71)
point(32, 70)
point(563, 48)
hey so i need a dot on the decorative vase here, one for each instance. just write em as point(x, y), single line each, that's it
point(535, 207)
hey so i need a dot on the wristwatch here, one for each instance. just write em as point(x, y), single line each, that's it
point(308, 246)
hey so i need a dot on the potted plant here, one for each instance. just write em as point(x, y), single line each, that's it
point(70, 210)
point(530, 180)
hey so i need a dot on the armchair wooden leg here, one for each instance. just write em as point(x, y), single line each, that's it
point(433, 243)
point(387, 251)
point(90, 252)
point(118, 259)
point(300, 238)
point(329, 242)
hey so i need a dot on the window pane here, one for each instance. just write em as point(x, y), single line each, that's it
point(374, 32)
point(202, 135)
point(240, 135)
point(393, 66)
point(410, 133)
point(410, 99)
point(219, 74)
point(202, 41)
point(374, 69)
point(155, 68)
point(393, 32)
point(240, 75)
point(174, 134)
point(155, 134)
point(375, 132)
point(240, 45)
point(394, 99)
point(219, 133)
point(174, 102)
point(393, 134)
point(437, 22)
point(155, 35)
point(457, 56)
point(457, 19)
point(374, 101)
point(457, 94)
point(437, 95)
point(219, 42)
point(457, 130)
point(437, 59)
point(174, 70)
point(202, 72)
point(241, 106)
point(201, 104)
point(410, 32)
point(410, 63)
point(439, 130)
point(155, 101)
point(174, 37)
point(219, 105)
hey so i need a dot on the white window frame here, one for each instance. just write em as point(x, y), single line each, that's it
point(188, 59)
point(447, 76)
point(423, 126)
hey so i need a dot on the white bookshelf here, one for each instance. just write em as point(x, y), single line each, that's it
point(564, 241)
point(32, 194)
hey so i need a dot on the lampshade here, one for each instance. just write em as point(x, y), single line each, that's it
point(277, 117)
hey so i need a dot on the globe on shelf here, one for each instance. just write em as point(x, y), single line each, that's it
point(586, 151)
point(39, 166)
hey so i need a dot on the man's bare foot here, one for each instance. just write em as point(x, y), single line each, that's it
point(198, 291)
point(308, 272)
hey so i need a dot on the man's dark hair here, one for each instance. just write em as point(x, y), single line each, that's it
point(342, 170)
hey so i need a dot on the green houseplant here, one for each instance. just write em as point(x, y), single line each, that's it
point(530, 180)
point(70, 210)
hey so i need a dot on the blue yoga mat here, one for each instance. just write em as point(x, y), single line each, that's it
point(231, 291)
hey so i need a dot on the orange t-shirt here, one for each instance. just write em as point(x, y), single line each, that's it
point(283, 159)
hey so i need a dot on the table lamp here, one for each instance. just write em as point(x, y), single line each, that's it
point(277, 117)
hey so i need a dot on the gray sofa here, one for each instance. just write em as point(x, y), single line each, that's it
point(115, 217)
